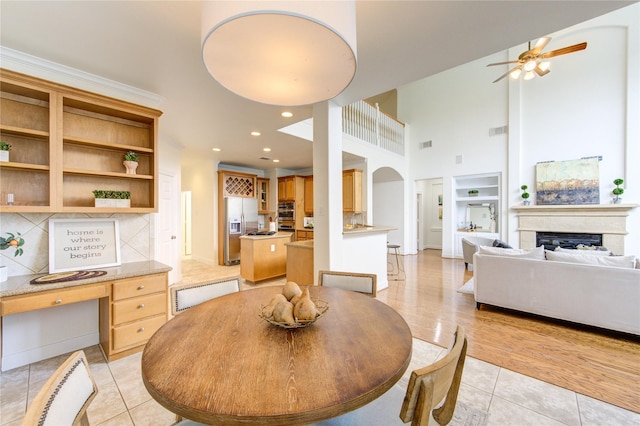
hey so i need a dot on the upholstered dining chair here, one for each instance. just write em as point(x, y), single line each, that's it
point(65, 397)
point(470, 245)
point(431, 384)
point(354, 281)
point(185, 296)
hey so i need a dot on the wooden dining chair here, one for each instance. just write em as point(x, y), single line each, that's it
point(185, 296)
point(65, 397)
point(429, 385)
point(354, 281)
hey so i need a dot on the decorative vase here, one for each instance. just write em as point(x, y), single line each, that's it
point(131, 167)
point(617, 200)
point(526, 202)
point(4, 156)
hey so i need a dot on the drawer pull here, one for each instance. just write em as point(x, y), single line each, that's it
point(141, 287)
point(141, 330)
point(58, 301)
point(141, 306)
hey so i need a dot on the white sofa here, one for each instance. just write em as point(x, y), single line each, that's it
point(601, 296)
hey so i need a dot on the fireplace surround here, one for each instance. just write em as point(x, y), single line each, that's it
point(609, 220)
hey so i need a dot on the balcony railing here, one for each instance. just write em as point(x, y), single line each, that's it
point(366, 122)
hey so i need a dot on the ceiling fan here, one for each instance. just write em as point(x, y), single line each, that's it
point(532, 60)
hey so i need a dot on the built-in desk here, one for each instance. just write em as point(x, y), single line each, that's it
point(132, 302)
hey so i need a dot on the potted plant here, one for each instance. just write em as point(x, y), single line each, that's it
point(473, 192)
point(131, 162)
point(618, 191)
point(525, 195)
point(108, 198)
point(4, 151)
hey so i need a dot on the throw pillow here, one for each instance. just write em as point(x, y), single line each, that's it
point(536, 253)
point(616, 261)
point(584, 252)
point(501, 244)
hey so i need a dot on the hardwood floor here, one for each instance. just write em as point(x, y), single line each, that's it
point(600, 364)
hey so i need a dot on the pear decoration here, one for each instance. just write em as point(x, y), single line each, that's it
point(305, 309)
point(283, 312)
point(290, 290)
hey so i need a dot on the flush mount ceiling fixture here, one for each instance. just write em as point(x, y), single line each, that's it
point(533, 60)
point(282, 52)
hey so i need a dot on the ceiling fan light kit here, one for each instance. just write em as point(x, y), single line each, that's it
point(284, 53)
point(532, 61)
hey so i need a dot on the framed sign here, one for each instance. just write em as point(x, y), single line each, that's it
point(76, 244)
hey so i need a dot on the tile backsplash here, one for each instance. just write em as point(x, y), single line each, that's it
point(135, 239)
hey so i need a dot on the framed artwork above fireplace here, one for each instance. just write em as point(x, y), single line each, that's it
point(568, 182)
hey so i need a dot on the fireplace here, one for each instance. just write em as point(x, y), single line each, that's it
point(568, 240)
point(607, 220)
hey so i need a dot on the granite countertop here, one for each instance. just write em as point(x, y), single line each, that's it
point(21, 284)
point(306, 244)
point(266, 237)
point(367, 229)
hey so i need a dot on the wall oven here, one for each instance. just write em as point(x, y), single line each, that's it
point(286, 216)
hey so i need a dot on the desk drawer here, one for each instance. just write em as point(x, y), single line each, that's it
point(139, 286)
point(51, 298)
point(139, 307)
point(136, 333)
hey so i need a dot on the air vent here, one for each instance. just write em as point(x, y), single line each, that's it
point(265, 158)
point(494, 131)
point(426, 144)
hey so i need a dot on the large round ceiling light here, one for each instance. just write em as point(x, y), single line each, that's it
point(282, 52)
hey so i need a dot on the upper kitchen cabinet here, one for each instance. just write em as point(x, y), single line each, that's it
point(237, 184)
point(287, 188)
point(352, 191)
point(66, 143)
point(262, 185)
point(308, 195)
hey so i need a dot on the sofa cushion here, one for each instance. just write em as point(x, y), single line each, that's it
point(501, 244)
point(587, 252)
point(617, 261)
point(536, 253)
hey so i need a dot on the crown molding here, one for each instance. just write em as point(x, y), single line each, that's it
point(24, 63)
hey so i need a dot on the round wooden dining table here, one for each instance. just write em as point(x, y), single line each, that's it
point(220, 363)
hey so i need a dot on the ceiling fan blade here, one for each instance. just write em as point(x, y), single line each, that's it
point(540, 44)
point(507, 73)
point(503, 63)
point(564, 50)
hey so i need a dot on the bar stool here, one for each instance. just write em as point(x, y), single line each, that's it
point(397, 272)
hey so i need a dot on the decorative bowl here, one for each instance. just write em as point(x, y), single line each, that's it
point(321, 306)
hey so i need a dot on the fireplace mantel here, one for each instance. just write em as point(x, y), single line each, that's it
point(610, 220)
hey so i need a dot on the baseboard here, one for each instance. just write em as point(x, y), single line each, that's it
point(43, 352)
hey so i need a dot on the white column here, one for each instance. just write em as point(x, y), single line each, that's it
point(327, 185)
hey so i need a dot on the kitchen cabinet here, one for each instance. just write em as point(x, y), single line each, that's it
point(263, 257)
point(304, 235)
point(67, 142)
point(135, 309)
point(287, 188)
point(352, 191)
point(308, 195)
point(262, 187)
point(236, 184)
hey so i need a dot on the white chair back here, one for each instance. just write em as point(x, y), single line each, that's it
point(185, 296)
point(362, 283)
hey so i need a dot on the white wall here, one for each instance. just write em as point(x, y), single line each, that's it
point(588, 105)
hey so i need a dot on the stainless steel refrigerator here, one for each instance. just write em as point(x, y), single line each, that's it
point(240, 218)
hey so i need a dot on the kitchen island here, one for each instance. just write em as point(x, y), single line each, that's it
point(263, 257)
point(300, 262)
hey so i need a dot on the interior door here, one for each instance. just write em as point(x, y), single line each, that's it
point(168, 225)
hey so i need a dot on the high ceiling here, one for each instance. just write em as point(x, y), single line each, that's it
point(155, 46)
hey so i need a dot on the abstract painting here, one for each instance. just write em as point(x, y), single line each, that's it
point(568, 182)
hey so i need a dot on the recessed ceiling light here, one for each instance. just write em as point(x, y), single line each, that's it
point(266, 149)
point(216, 149)
point(276, 160)
point(287, 114)
point(255, 133)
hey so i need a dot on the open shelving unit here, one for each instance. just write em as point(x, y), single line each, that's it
point(67, 143)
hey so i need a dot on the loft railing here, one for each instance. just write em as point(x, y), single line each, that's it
point(366, 122)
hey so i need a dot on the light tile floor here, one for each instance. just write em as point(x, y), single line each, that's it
point(508, 398)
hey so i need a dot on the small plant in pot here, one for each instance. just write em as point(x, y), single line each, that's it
point(108, 198)
point(618, 191)
point(472, 192)
point(4, 151)
point(131, 162)
point(525, 195)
